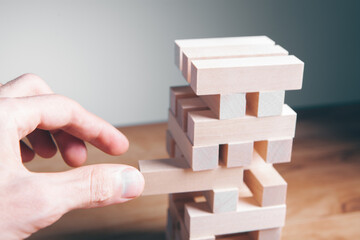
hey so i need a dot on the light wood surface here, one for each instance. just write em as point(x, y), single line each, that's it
point(216, 42)
point(237, 51)
point(266, 184)
point(163, 176)
point(222, 199)
point(248, 217)
point(226, 106)
point(323, 199)
point(198, 157)
point(275, 150)
point(205, 129)
point(237, 154)
point(264, 104)
point(253, 74)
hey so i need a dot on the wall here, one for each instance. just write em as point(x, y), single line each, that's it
point(116, 57)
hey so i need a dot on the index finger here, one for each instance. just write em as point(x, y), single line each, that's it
point(51, 112)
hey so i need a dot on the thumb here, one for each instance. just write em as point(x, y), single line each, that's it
point(97, 185)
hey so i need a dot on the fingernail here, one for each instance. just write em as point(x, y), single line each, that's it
point(132, 183)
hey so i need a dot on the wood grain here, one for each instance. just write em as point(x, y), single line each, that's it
point(205, 129)
point(323, 198)
point(163, 176)
point(253, 74)
point(215, 42)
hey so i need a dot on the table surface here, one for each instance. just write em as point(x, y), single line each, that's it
point(323, 200)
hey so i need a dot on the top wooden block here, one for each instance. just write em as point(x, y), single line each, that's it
point(253, 74)
point(216, 42)
point(238, 51)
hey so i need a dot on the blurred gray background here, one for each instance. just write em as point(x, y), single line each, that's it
point(116, 57)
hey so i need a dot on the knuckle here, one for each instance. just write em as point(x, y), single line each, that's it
point(101, 186)
point(35, 82)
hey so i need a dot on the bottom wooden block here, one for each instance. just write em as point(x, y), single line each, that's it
point(248, 217)
point(192, 220)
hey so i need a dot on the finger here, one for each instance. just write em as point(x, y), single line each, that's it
point(42, 143)
point(72, 149)
point(26, 85)
point(95, 185)
point(27, 154)
point(51, 112)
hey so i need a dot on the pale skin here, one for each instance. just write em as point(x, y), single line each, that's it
point(31, 201)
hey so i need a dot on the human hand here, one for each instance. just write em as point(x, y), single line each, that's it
point(31, 201)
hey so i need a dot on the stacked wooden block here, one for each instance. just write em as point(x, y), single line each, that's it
point(226, 129)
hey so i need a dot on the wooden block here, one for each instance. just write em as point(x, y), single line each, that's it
point(266, 234)
point(238, 51)
point(200, 157)
point(264, 104)
point(236, 75)
point(237, 154)
point(248, 217)
point(186, 105)
point(177, 93)
point(267, 185)
point(275, 150)
point(176, 209)
point(222, 200)
point(163, 176)
point(226, 106)
point(170, 144)
point(205, 129)
point(213, 42)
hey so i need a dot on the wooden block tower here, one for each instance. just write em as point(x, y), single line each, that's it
point(226, 129)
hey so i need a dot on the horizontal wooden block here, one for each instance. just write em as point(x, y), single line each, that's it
point(264, 104)
point(267, 185)
point(236, 75)
point(275, 150)
point(222, 200)
point(237, 154)
point(163, 176)
point(200, 157)
point(190, 54)
point(266, 234)
point(186, 105)
point(177, 93)
point(248, 217)
point(205, 129)
point(213, 42)
point(226, 106)
point(177, 208)
point(170, 144)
